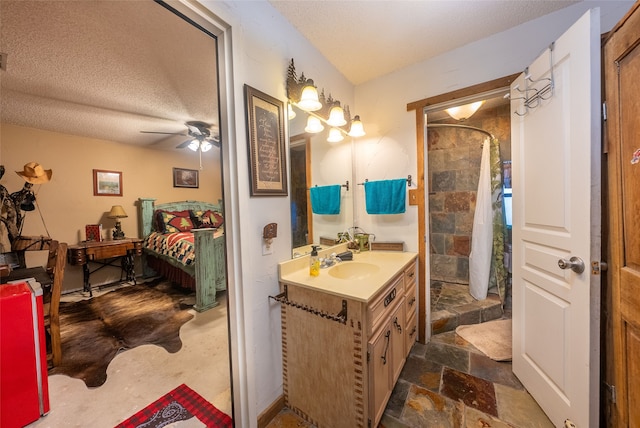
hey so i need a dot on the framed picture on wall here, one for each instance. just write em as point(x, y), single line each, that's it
point(265, 136)
point(185, 178)
point(107, 183)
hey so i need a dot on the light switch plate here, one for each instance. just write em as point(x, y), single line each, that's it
point(267, 249)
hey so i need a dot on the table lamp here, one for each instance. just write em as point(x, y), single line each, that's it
point(117, 212)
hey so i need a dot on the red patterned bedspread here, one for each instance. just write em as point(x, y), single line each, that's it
point(178, 246)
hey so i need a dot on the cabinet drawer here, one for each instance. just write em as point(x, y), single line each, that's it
point(411, 301)
point(411, 333)
point(410, 274)
point(383, 303)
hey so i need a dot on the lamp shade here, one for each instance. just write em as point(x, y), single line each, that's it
point(356, 130)
point(117, 212)
point(465, 111)
point(194, 145)
point(336, 117)
point(205, 146)
point(335, 136)
point(313, 125)
point(309, 99)
point(290, 113)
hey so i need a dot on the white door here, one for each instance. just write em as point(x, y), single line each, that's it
point(556, 158)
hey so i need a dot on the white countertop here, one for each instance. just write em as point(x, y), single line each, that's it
point(389, 263)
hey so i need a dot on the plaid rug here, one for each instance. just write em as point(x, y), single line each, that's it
point(181, 404)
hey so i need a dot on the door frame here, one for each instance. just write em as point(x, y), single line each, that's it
point(420, 195)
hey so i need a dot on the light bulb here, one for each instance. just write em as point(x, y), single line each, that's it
point(356, 130)
point(313, 125)
point(335, 136)
point(194, 145)
point(336, 117)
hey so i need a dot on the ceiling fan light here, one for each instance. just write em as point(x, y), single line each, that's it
point(309, 99)
point(194, 145)
point(335, 136)
point(206, 146)
point(313, 125)
point(465, 111)
point(336, 117)
point(356, 130)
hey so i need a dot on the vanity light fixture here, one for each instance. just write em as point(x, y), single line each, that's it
point(313, 125)
point(303, 94)
point(336, 117)
point(357, 130)
point(464, 112)
point(290, 112)
point(335, 136)
point(309, 98)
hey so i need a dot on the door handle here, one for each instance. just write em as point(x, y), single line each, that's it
point(574, 263)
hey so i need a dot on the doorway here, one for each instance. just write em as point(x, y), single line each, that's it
point(465, 289)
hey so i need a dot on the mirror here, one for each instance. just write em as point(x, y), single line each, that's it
point(316, 162)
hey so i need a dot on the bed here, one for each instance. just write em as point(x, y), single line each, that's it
point(177, 236)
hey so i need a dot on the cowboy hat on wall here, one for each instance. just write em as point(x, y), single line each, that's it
point(34, 173)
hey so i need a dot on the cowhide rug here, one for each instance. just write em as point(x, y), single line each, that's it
point(93, 331)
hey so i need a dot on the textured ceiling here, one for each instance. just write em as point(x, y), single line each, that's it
point(369, 39)
point(110, 69)
point(105, 69)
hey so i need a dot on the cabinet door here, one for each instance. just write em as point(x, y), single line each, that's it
point(397, 325)
point(379, 348)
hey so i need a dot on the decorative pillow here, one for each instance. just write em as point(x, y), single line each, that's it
point(174, 221)
point(208, 219)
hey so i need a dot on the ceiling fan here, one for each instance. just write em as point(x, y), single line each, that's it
point(200, 136)
point(200, 139)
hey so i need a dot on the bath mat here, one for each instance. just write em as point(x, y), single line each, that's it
point(182, 407)
point(493, 338)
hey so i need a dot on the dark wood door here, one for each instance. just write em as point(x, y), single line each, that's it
point(622, 94)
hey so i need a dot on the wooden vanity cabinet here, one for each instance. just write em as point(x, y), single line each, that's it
point(341, 374)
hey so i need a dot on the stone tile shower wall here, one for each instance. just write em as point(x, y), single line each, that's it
point(454, 156)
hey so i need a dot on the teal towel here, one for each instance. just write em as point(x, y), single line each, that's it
point(385, 196)
point(325, 199)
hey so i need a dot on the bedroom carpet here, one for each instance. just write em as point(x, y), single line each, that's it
point(140, 375)
point(94, 331)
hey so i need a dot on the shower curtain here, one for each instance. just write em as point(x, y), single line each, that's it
point(486, 260)
point(482, 233)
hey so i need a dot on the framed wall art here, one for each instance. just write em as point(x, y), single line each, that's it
point(265, 136)
point(107, 183)
point(185, 178)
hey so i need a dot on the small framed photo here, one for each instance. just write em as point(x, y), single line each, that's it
point(185, 178)
point(107, 183)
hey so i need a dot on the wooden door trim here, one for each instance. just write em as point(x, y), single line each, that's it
point(419, 106)
point(616, 47)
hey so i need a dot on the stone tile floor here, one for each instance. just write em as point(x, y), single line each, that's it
point(452, 305)
point(449, 383)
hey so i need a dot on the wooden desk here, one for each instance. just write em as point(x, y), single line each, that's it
point(105, 253)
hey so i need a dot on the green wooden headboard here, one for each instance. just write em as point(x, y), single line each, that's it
point(148, 207)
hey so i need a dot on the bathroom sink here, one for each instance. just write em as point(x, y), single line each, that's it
point(353, 270)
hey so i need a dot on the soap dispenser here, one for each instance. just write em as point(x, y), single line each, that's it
point(314, 262)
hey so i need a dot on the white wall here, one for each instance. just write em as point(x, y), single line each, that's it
point(382, 103)
point(263, 44)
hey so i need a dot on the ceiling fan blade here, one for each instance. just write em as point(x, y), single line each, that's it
point(164, 133)
point(183, 144)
